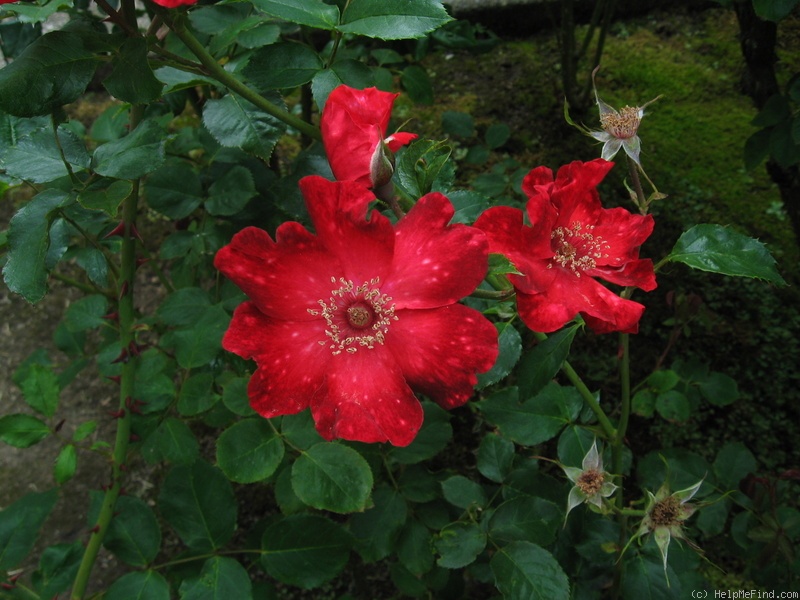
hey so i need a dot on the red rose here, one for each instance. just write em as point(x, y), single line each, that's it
point(353, 125)
point(174, 3)
point(349, 321)
point(571, 241)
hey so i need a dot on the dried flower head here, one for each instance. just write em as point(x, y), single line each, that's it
point(592, 484)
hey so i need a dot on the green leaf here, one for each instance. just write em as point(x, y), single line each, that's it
point(37, 12)
point(782, 146)
point(468, 205)
point(718, 249)
point(84, 430)
point(510, 344)
point(526, 518)
point(236, 400)
point(538, 419)
point(137, 154)
point(171, 441)
point(719, 389)
point(458, 123)
point(495, 457)
point(22, 431)
point(348, 72)
point(644, 403)
point(573, 444)
point(305, 550)
point(673, 406)
point(462, 492)
point(197, 395)
point(314, 13)
point(417, 84)
point(525, 571)
point(733, 463)
point(756, 148)
point(776, 109)
point(663, 380)
point(774, 10)
point(330, 476)
point(283, 65)
point(53, 71)
point(198, 502)
point(419, 165)
point(140, 585)
point(434, 435)
point(459, 544)
point(134, 535)
point(230, 193)
point(199, 344)
point(86, 313)
point(249, 451)
point(40, 389)
point(397, 20)
point(497, 134)
point(375, 530)
point(414, 548)
point(540, 365)
point(57, 569)
point(174, 190)
point(131, 78)
point(236, 123)
point(37, 157)
point(66, 464)
point(183, 307)
point(105, 195)
point(176, 80)
point(221, 577)
point(19, 526)
point(644, 579)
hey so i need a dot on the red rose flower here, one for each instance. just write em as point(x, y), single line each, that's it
point(571, 241)
point(353, 125)
point(349, 321)
point(174, 3)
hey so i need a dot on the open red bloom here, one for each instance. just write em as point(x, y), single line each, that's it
point(571, 241)
point(174, 3)
point(349, 321)
point(353, 126)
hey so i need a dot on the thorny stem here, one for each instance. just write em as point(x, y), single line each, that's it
point(633, 170)
point(127, 340)
point(215, 70)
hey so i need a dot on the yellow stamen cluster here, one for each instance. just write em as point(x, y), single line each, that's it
point(622, 124)
point(575, 249)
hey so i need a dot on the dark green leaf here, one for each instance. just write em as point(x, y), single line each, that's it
point(57, 569)
point(176, 80)
point(19, 526)
point(774, 10)
point(510, 344)
point(573, 444)
point(199, 344)
point(329, 476)
point(782, 145)
point(495, 457)
point(171, 441)
point(236, 123)
point(541, 364)
point(397, 20)
point(434, 435)
point(86, 313)
point(459, 544)
point(84, 430)
point(197, 395)
point(107, 196)
point(414, 548)
point(22, 431)
point(40, 389)
point(66, 464)
point(722, 250)
point(112, 123)
point(184, 307)
point(230, 193)
point(249, 450)
point(138, 153)
point(198, 502)
point(497, 134)
point(131, 79)
point(37, 158)
point(719, 389)
point(53, 71)
point(644, 403)
point(36, 12)
point(236, 400)
point(140, 585)
point(645, 579)
point(663, 380)
point(733, 463)
point(462, 492)
point(134, 535)
point(283, 65)
point(417, 84)
point(526, 518)
point(712, 518)
point(776, 109)
point(305, 550)
point(756, 148)
point(375, 530)
point(220, 578)
point(350, 72)
point(458, 123)
point(314, 13)
point(673, 406)
point(525, 571)
point(468, 205)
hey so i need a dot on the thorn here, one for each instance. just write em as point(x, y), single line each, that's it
point(7, 586)
point(133, 438)
point(117, 414)
point(60, 425)
point(141, 261)
point(135, 233)
point(123, 290)
point(112, 316)
point(95, 529)
point(115, 378)
point(118, 230)
point(133, 349)
point(122, 358)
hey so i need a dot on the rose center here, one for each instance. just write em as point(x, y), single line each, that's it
point(355, 316)
point(622, 124)
point(590, 482)
point(576, 248)
point(666, 512)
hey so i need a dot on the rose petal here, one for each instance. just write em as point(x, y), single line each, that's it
point(624, 232)
point(441, 350)
point(284, 279)
point(637, 273)
point(291, 361)
point(399, 139)
point(338, 210)
point(434, 263)
point(367, 400)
